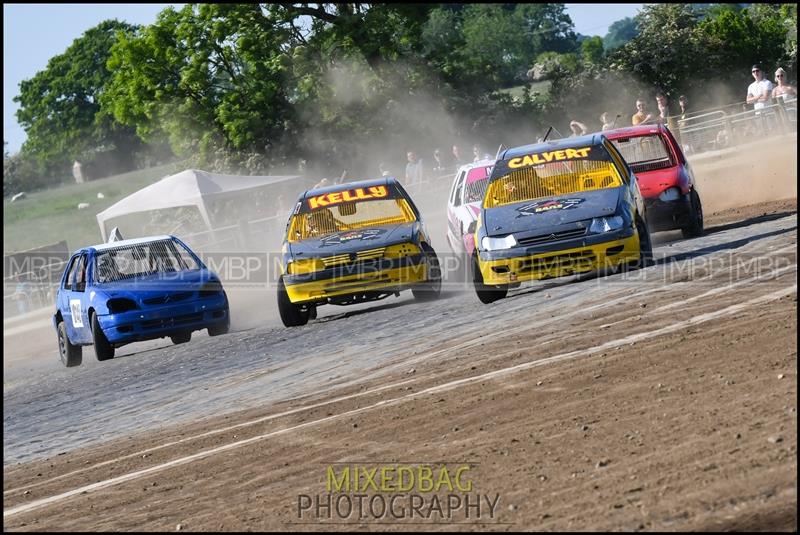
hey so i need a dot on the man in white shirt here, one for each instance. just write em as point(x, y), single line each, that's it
point(760, 91)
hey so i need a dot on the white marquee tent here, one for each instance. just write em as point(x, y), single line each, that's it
point(194, 188)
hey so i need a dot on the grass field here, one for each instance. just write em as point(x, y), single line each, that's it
point(52, 215)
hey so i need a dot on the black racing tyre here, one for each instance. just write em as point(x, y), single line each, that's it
point(645, 244)
point(694, 227)
point(312, 312)
point(430, 289)
point(103, 350)
point(486, 293)
point(71, 354)
point(291, 315)
point(221, 328)
point(181, 338)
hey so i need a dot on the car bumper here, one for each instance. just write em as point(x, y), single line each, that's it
point(388, 274)
point(147, 324)
point(557, 263)
point(667, 215)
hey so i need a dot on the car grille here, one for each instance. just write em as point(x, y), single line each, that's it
point(347, 258)
point(169, 298)
point(172, 322)
point(576, 260)
point(555, 236)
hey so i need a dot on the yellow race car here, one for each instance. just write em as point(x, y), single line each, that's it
point(554, 209)
point(353, 243)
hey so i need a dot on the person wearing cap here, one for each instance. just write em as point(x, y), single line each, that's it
point(760, 91)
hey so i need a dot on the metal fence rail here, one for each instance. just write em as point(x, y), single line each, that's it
point(718, 129)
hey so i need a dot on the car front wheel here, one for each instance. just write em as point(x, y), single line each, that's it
point(486, 293)
point(103, 350)
point(291, 315)
point(71, 354)
point(645, 244)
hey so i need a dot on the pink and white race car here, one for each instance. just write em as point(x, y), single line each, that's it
point(463, 205)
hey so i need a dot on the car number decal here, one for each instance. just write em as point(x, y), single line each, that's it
point(75, 308)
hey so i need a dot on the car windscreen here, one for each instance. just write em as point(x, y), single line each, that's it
point(644, 153)
point(551, 180)
point(325, 220)
point(127, 262)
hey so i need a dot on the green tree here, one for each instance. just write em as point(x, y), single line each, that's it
point(734, 40)
point(60, 106)
point(668, 51)
point(619, 33)
point(592, 50)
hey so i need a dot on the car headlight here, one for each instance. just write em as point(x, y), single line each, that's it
point(306, 265)
point(605, 224)
point(495, 244)
point(670, 194)
point(118, 305)
point(210, 289)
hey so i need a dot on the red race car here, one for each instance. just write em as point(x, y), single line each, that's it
point(664, 177)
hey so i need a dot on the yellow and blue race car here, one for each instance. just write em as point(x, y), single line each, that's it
point(353, 243)
point(554, 209)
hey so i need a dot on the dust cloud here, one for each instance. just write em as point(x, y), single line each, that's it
point(747, 174)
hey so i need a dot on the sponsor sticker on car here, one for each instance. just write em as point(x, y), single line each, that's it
point(547, 205)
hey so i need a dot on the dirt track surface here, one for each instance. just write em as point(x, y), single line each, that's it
point(658, 399)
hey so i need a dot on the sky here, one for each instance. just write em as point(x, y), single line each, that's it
point(33, 33)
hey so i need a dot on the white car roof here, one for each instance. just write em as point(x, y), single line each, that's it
point(473, 165)
point(133, 241)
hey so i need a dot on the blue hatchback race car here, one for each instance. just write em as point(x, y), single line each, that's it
point(133, 290)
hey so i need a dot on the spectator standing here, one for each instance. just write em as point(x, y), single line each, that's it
point(438, 162)
point(384, 170)
point(605, 120)
point(683, 102)
point(782, 88)
point(663, 108)
point(578, 128)
point(641, 115)
point(456, 159)
point(20, 294)
point(760, 91)
point(476, 153)
point(413, 169)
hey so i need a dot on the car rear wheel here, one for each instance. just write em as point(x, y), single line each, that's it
point(432, 287)
point(103, 350)
point(486, 293)
point(71, 354)
point(223, 328)
point(694, 228)
point(291, 315)
point(181, 338)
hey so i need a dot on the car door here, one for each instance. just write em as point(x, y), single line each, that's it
point(453, 220)
point(76, 302)
point(62, 302)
